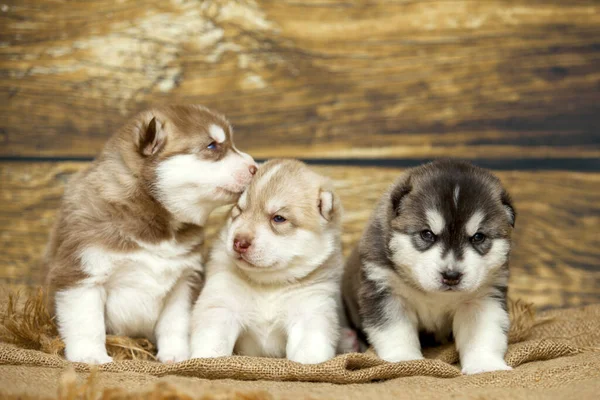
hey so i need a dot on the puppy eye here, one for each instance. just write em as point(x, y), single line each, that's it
point(428, 236)
point(278, 219)
point(478, 238)
point(212, 146)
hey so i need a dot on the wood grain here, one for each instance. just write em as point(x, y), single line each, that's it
point(310, 79)
point(555, 262)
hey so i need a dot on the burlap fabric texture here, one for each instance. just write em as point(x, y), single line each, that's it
point(554, 351)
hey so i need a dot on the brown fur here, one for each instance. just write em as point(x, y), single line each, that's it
point(113, 202)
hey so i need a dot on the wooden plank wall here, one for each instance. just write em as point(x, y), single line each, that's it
point(362, 89)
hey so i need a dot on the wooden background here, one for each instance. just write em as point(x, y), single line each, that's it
point(361, 89)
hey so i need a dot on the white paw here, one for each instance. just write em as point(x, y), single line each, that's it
point(88, 357)
point(174, 351)
point(348, 341)
point(399, 356)
point(484, 364)
point(209, 352)
point(312, 355)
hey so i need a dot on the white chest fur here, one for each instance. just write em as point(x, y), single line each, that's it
point(434, 313)
point(264, 332)
point(265, 314)
point(431, 312)
point(137, 283)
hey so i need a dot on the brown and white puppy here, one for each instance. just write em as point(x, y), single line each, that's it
point(434, 258)
point(126, 246)
point(273, 279)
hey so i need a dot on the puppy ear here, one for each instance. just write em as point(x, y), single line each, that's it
point(508, 208)
point(327, 204)
point(400, 190)
point(152, 138)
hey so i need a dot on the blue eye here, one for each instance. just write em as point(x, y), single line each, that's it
point(212, 146)
point(278, 219)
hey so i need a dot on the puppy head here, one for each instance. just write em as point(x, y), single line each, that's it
point(451, 224)
point(286, 224)
point(187, 158)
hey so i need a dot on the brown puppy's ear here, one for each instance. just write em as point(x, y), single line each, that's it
point(327, 204)
point(152, 138)
point(508, 208)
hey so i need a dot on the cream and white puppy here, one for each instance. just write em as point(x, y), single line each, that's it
point(273, 279)
point(125, 252)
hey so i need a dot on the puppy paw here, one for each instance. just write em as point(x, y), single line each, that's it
point(209, 352)
point(175, 351)
point(484, 364)
point(400, 356)
point(87, 357)
point(312, 355)
point(348, 342)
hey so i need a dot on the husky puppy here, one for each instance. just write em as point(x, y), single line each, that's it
point(434, 259)
point(273, 279)
point(126, 246)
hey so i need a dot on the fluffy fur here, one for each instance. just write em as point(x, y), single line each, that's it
point(273, 280)
point(125, 252)
point(434, 259)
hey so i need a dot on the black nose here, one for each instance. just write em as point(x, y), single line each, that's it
point(451, 278)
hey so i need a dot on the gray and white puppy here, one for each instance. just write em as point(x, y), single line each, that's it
point(434, 259)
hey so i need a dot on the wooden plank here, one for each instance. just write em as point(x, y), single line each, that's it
point(320, 79)
point(555, 261)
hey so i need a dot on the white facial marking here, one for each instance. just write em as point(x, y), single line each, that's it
point(472, 226)
point(425, 267)
point(436, 221)
point(456, 194)
point(189, 186)
point(476, 267)
point(217, 133)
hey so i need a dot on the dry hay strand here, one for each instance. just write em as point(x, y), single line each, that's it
point(522, 320)
point(26, 322)
point(90, 389)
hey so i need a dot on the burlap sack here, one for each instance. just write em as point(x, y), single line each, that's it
point(568, 338)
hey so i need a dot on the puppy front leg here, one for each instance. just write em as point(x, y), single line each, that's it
point(480, 328)
point(173, 326)
point(80, 313)
point(313, 335)
point(214, 332)
point(390, 327)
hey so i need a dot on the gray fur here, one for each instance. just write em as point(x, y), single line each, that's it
point(403, 209)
